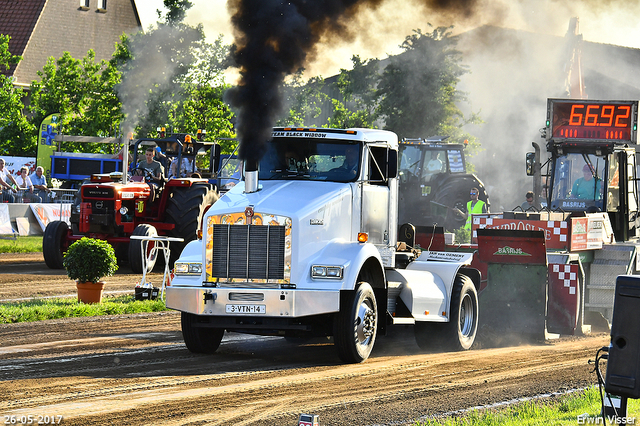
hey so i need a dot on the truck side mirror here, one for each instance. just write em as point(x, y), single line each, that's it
point(393, 164)
point(531, 163)
point(214, 158)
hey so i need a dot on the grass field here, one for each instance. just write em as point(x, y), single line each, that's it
point(44, 309)
point(571, 409)
point(31, 244)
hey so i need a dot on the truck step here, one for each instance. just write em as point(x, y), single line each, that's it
point(403, 321)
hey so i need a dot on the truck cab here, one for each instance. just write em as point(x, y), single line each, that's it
point(306, 245)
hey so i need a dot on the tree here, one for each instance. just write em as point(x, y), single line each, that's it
point(358, 89)
point(82, 92)
point(177, 10)
point(305, 101)
point(16, 133)
point(171, 77)
point(204, 108)
point(417, 91)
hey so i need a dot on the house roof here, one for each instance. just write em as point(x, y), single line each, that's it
point(44, 29)
point(18, 19)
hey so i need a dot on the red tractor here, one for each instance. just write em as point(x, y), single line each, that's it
point(113, 208)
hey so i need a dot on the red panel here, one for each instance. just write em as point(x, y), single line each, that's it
point(564, 296)
point(504, 246)
point(556, 232)
point(430, 241)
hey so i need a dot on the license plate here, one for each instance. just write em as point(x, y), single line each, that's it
point(246, 309)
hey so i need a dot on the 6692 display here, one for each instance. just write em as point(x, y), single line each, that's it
point(591, 119)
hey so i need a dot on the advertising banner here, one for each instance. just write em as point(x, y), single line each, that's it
point(5, 220)
point(46, 213)
point(13, 164)
point(586, 233)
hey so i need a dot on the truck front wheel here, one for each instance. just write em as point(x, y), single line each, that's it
point(356, 324)
point(199, 340)
point(460, 332)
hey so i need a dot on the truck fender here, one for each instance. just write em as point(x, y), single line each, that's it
point(351, 257)
point(445, 266)
point(423, 293)
point(192, 252)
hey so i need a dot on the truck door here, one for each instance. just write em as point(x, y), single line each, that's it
point(376, 194)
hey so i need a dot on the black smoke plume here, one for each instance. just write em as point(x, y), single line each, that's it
point(275, 38)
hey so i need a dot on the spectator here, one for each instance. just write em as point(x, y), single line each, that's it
point(185, 168)
point(26, 186)
point(529, 201)
point(7, 189)
point(160, 157)
point(40, 185)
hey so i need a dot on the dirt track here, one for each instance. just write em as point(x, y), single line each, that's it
point(134, 369)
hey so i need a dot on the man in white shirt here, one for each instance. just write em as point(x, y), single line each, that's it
point(7, 189)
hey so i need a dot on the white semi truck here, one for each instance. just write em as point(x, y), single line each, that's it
point(307, 245)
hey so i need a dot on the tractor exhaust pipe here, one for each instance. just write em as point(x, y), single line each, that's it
point(251, 177)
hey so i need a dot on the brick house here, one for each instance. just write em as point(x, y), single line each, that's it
point(40, 29)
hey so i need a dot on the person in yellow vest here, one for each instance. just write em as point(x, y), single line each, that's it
point(474, 206)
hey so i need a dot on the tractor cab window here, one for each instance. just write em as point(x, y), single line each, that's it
point(308, 159)
point(578, 182)
point(409, 161)
point(435, 162)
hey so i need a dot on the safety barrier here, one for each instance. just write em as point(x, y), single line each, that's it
point(24, 196)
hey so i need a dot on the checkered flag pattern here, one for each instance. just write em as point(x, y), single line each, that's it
point(567, 275)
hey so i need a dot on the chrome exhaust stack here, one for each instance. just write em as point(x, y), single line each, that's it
point(251, 177)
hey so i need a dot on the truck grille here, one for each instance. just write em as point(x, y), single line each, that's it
point(248, 251)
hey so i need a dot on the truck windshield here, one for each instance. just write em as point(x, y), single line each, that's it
point(578, 182)
point(308, 159)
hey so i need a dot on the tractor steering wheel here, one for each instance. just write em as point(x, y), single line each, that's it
point(148, 177)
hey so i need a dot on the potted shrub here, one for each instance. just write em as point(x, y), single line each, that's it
point(87, 261)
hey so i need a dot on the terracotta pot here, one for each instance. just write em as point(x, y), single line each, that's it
point(90, 292)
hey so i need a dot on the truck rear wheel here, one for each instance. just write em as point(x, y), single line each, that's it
point(135, 249)
point(200, 340)
point(54, 243)
point(185, 209)
point(356, 324)
point(460, 332)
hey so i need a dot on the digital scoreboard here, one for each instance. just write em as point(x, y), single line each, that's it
point(591, 119)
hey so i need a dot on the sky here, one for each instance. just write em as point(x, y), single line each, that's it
point(381, 31)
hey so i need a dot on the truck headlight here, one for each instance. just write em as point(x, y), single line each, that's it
point(320, 271)
point(187, 268)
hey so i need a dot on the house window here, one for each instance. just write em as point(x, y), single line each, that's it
point(84, 4)
point(102, 5)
